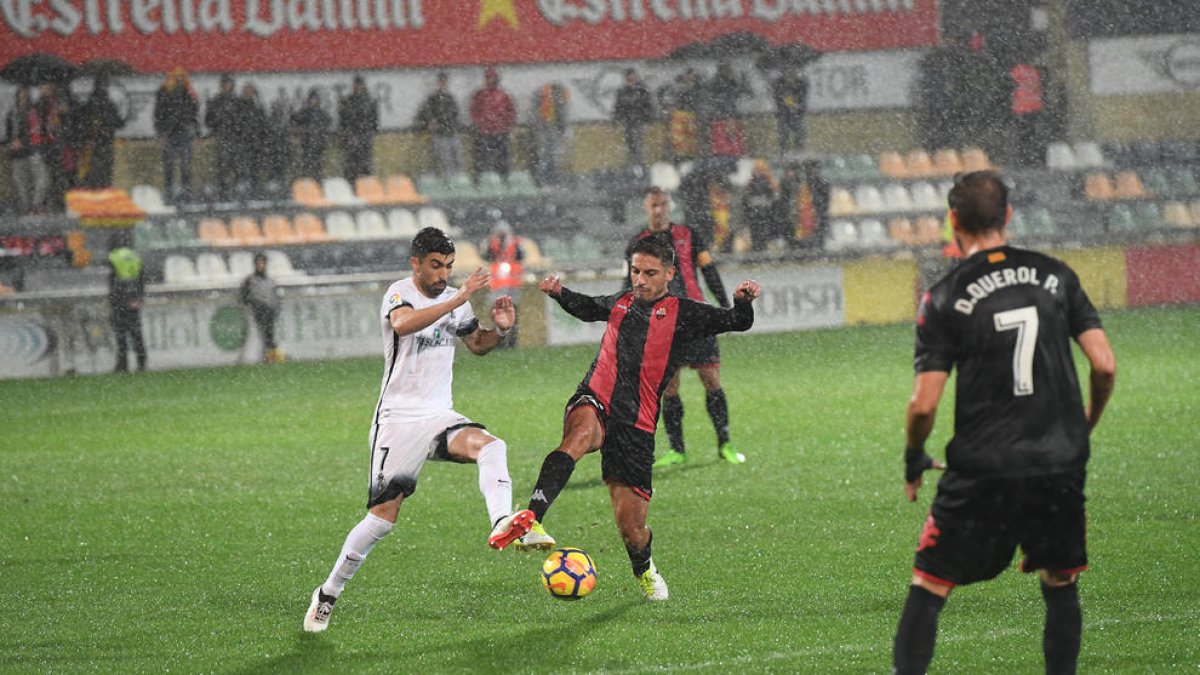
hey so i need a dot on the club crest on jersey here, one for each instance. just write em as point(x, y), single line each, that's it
point(660, 313)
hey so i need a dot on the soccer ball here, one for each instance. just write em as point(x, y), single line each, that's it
point(569, 573)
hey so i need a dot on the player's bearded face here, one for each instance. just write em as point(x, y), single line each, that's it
point(649, 277)
point(432, 273)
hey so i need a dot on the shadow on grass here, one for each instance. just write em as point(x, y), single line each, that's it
point(693, 465)
point(495, 653)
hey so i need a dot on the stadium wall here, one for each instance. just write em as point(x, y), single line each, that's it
point(72, 334)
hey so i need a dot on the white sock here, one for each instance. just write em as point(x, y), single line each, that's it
point(494, 482)
point(358, 544)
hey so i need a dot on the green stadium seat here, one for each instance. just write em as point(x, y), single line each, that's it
point(1155, 180)
point(147, 234)
point(1120, 219)
point(1041, 223)
point(1182, 182)
point(1148, 216)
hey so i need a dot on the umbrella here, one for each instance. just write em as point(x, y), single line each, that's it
point(796, 55)
point(732, 45)
point(38, 68)
point(105, 68)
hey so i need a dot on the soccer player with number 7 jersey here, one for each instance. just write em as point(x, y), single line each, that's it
point(1016, 465)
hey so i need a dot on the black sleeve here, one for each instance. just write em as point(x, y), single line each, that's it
point(700, 319)
point(935, 347)
point(587, 307)
point(713, 279)
point(1081, 313)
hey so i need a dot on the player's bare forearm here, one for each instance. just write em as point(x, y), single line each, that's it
point(1103, 372)
point(406, 320)
point(919, 419)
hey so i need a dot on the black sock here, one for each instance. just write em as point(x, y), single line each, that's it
point(1064, 628)
point(640, 558)
point(913, 649)
point(556, 471)
point(718, 410)
point(672, 412)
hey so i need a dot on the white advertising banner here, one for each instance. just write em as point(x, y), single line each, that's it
point(793, 298)
point(69, 338)
point(837, 81)
point(1145, 65)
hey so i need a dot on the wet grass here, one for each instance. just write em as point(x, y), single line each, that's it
point(178, 521)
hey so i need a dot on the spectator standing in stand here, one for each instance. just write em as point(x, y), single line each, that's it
point(550, 132)
point(252, 129)
point(358, 122)
point(58, 120)
point(439, 116)
point(100, 120)
point(26, 142)
point(176, 121)
point(312, 126)
point(494, 115)
point(725, 135)
point(790, 92)
point(1027, 106)
point(633, 110)
point(220, 116)
point(760, 208)
point(684, 100)
point(277, 154)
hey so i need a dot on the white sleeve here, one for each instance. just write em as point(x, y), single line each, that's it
point(393, 299)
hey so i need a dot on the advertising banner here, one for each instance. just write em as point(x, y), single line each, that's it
point(76, 337)
point(793, 298)
point(1145, 65)
point(299, 35)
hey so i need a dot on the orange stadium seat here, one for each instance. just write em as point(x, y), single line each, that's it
point(1097, 186)
point(946, 162)
point(277, 229)
point(901, 230)
point(214, 232)
point(245, 230)
point(309, 228)
point(918, 164)
point(307, 192)
point(369, 189)
point(1128, 185)
point(401, 190)
point(975, 159)
point(892, 164)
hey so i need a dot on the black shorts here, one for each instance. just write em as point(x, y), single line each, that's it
point(975, 526)
point(702, 352)
point(626, 453)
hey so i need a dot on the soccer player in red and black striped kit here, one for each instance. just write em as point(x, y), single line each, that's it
point(615, 408)
point(1015, 468)
point(691, 255)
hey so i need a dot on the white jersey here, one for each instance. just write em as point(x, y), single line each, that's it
point(418, 369)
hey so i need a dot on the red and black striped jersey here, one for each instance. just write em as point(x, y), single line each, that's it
point(642, 344)
point(1005, 318)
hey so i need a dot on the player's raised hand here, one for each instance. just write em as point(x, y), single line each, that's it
point(475, 281)
point(551, 286)
point(747, 290)
point(504, 313)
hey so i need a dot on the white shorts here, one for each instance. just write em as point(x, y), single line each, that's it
point(401, 445)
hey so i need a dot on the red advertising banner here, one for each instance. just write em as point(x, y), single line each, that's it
point(301, 35)
point(1163, 275)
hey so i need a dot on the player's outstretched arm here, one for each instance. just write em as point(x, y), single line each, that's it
point(406, 320)
point(504, 316)
point(578, 305)
point(918, 424)
point(1103, 362)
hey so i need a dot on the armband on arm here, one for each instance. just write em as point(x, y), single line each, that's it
point(916, 462)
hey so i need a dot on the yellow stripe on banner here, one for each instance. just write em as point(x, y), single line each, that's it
point(880, 291)
point(1102, 273)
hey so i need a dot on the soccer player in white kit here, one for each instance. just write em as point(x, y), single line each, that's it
point(421, 318)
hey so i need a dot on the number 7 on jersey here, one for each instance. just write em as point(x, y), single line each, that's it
point(1024, 320)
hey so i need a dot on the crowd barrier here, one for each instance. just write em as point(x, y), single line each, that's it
point(70, 334)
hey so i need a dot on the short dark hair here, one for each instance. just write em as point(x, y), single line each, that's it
point(653, 190)
point(979, 200)
point(431, 240)
point(654, 246)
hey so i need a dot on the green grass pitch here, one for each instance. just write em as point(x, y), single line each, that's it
point(178, 521)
